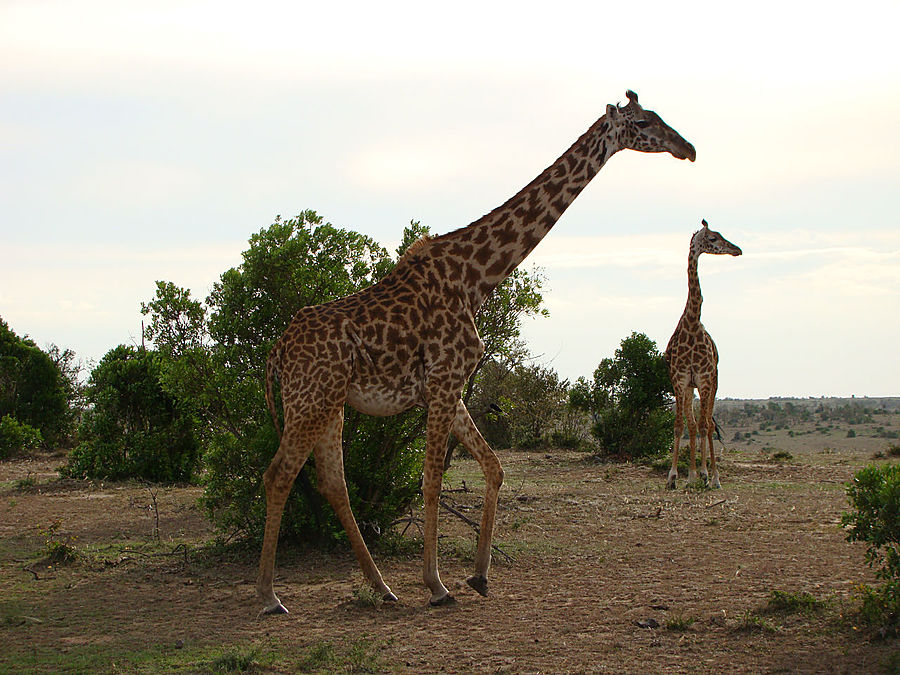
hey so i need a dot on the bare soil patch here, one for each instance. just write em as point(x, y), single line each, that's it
point(612, 573)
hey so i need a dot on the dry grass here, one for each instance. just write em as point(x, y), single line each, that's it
point(599, 551)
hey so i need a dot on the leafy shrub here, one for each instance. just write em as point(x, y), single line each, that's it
point(629, 400)
point(134, 429)
point(16, 437)
point(33, 390)
point(524, 407)
point(874, 496)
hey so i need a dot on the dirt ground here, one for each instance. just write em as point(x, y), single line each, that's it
point(610, 573)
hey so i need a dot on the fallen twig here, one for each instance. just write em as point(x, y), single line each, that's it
point(471, 523)
point(721, 501)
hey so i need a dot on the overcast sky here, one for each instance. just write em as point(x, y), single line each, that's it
point(146, 141)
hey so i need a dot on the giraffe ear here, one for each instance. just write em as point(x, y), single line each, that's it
point(611, 110)
point(705, 224)
point(632, 96)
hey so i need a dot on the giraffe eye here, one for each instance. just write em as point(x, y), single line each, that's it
point(643, 124)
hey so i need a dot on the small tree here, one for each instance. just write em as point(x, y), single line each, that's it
point(33, 390)
point(133, 429)
point(874, 496)
point(629, 400)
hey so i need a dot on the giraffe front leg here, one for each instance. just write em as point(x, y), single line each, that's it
point(437, 432)
point(467, 433)
point(332, 484)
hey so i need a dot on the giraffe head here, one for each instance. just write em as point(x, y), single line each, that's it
point(645, 131)
point(706, 240)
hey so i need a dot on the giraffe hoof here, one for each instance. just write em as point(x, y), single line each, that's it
point(479, 583)
point(277, 608)
point(445, 601)
point(389, 597)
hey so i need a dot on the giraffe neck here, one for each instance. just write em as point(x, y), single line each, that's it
point(493, 246)
point(691, 317)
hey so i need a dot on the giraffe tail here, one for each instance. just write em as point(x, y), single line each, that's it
point(718, 432)
point(272, 364)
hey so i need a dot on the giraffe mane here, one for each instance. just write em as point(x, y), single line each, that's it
point(415, 247)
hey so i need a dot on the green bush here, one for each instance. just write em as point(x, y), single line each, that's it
point(874, 496)
point(16, 437)
point(629, 401)
point(33, 390)
point(133, 429)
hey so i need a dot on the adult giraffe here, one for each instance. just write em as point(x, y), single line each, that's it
point(693, 362)
point(410, 340)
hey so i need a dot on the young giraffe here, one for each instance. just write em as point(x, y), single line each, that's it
point(410, 340)
point(694, 362)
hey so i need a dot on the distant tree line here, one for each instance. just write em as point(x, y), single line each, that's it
point(774, 415)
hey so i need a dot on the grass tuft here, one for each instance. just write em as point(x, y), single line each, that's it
point(794, 603)
point(236, 660)
point(366, 596)
point(679, 622)
point(753, 623)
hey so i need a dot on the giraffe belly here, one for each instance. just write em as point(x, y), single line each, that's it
point(374, 399)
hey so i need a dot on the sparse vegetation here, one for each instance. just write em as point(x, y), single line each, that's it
point(572, 526)
point(754, 623)
point(60, 549)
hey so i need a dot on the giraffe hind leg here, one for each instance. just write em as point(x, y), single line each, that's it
point(293, 451)
point(709, 401)
point(692, 434)
point(333, 486)
point(679, 429)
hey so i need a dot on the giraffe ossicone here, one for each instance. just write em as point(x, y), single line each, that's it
point(410, 340)
point(693, 362)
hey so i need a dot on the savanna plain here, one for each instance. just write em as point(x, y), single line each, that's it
point(599, 569)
